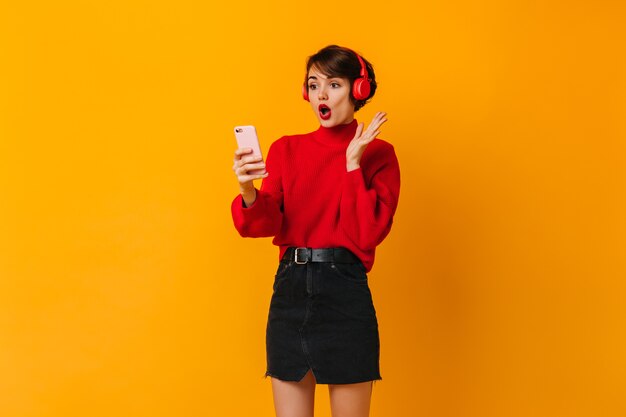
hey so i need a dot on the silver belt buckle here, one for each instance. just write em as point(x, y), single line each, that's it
point(296, 257)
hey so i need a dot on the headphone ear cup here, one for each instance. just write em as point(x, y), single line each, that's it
point(305, 92)
point(361, 89)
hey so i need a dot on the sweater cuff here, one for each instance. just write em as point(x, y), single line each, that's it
point(355, 178)
point(240, 205)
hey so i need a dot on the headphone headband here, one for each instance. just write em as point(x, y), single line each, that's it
point(364, 73)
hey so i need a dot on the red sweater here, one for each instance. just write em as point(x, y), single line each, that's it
point(309, 199)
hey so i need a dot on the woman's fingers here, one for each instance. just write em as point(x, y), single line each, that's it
point(247, 178)
point(377, 117)
point(363, 138)
point(243, 169)
point(242, 163)
point(241, 151)
point(371, 133)
point(359, 129)
point(250, 159)
point(246, 160)
point(378, 120)
point(372, 136)
point(372, 129)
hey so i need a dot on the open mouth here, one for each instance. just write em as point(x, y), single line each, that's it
point(324, 111)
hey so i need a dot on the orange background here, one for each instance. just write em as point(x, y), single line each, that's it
point(126, 291)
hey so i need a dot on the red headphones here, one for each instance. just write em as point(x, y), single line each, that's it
point(360, 89)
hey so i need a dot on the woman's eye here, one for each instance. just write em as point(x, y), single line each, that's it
point(312, 87)
point(335, 85)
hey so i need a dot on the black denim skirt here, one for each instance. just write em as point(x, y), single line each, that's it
point(322, 317)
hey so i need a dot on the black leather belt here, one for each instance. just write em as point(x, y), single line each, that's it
point(303, 255)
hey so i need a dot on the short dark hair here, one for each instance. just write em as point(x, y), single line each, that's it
point(337, 61)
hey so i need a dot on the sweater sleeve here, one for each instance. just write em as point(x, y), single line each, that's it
point(264, 217)
point(366, 211)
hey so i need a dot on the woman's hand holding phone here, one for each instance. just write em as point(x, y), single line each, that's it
point(245, 161)
point(249, 165)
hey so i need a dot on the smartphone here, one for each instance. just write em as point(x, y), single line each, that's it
point(247, 138)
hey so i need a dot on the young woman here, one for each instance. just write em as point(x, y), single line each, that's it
point(328, 197)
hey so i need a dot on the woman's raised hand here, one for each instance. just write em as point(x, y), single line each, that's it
point(244, 162)
point(362, 139)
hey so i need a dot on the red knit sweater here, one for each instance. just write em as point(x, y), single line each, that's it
point(309, 199)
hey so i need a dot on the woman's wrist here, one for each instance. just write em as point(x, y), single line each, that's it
point(246, 189)
point(249, 196)
point(351, 166)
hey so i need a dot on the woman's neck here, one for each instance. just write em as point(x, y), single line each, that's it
point(338, 135)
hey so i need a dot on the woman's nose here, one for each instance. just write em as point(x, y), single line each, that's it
point(321, 93)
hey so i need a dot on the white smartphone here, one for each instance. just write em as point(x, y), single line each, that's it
point(247, 138)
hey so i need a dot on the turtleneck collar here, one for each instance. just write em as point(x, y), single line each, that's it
point(339, 135)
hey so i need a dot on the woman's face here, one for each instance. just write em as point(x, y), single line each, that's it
point(330, 98)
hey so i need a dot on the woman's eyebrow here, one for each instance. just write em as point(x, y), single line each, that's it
point(331, 78)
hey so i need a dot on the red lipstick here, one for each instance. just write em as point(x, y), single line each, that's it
point(324, 111)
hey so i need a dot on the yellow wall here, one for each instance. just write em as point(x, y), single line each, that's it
point(126, 291)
